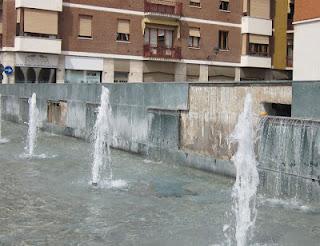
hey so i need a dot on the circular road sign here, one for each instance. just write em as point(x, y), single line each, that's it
point(8, 70)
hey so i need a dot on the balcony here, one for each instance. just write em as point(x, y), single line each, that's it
point(52, 5)
point(255, 61)
point(258, 54)
point(38, 45)
point(162, 52)
point(256, 26)
point(160, 8)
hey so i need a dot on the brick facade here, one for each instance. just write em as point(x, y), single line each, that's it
point(208, 60)
point(306, 10)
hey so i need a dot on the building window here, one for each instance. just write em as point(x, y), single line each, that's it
point(224, 5)
point(195, 3)
point(35, 75)
point(85, 26)
point(259, 49)
point(123, 33)
point(82, 77)
point(223, 40)
point(158, 38)
point(37, 23)
point(258, 45)
point(194, 38)
point(121, 77)
point(291, 10)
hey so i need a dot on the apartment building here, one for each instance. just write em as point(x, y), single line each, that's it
point(92, 41)
point(306, 40)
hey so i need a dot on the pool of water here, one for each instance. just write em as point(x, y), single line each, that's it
point(48, 201)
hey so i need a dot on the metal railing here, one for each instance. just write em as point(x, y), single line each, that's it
point(162, 52)
point(163, 7)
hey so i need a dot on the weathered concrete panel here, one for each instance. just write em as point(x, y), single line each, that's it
point(306, 100)
point(214, 111)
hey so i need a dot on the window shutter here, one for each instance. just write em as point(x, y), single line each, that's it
point(85, 26)
point(260, 9)
point(41, 21)
point(124, 26)
point(194, 32)
point(256, 39)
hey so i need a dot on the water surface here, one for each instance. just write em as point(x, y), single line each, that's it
point(50, 202)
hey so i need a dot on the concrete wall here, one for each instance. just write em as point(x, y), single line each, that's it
point(306, 52)
point(306, 100)
point(214, 110)
point(187, 124)
point(137, 110)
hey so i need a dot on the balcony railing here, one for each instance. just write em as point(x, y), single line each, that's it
point(260, 53)
point(163, 8)
point(162, 52)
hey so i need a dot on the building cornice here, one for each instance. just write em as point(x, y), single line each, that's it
point(141, 58)
point(306, 21)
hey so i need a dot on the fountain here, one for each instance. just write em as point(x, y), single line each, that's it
point(289, 156)
point(247, 178)
point(102, 162)
point(33, 124)
point(2, 140)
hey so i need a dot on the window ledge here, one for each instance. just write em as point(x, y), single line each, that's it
point(85, 38)
point(223, 50)
point(123, 42)
point(224, 11)
point(194, 48)
point(192, 6)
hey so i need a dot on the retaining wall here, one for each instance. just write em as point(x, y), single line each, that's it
point(188, 124)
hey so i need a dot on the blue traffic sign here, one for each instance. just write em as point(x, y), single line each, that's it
point(8, 70)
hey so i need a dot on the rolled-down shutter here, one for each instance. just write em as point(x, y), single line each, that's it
point(40, 21)
point(124, 26)
point(85, 26)
point(194, 32)
point(257, 39)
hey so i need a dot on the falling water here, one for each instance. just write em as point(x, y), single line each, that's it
point(289, 157)
point(102, 162)
point(247, 179)
point(33, 124)
point(102, 127)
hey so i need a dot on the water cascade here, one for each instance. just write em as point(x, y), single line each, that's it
point(289, 159)
point(102, 132)
point(33, 125)
point(247, 178)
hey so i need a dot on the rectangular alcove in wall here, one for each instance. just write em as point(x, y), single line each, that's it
point(57, 112)
point(277, 109)
point(24, 109)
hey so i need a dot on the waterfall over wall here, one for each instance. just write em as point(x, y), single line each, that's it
point(289, 158)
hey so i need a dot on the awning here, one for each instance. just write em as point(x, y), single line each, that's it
point(161, 22)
